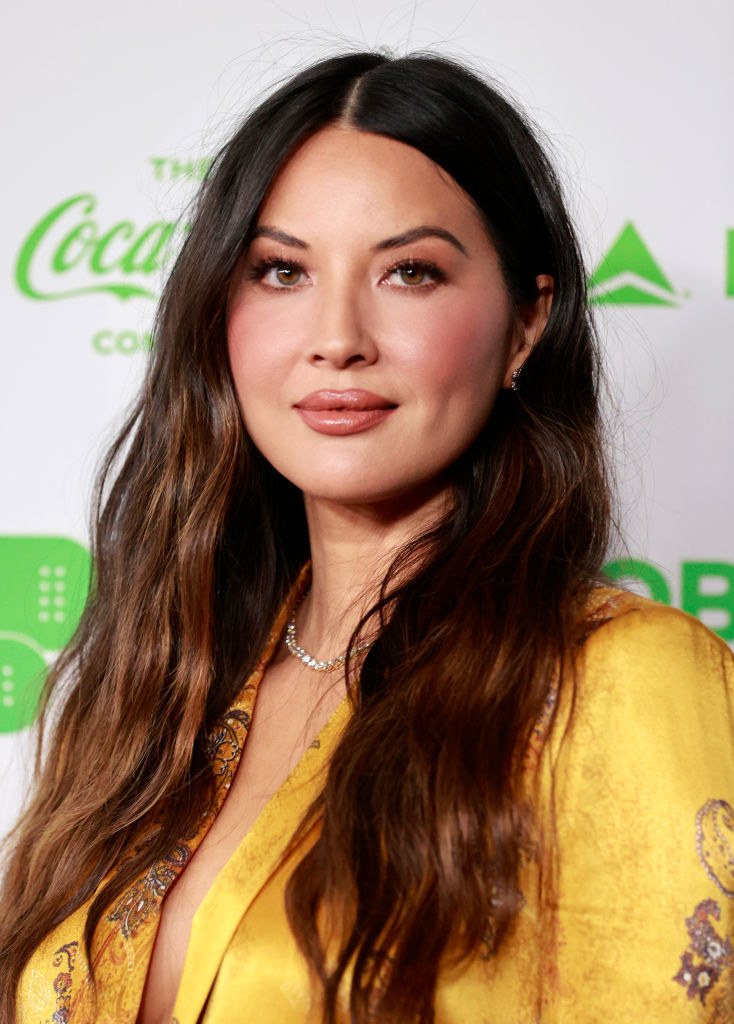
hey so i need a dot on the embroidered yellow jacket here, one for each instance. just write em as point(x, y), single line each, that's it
point(638, 925)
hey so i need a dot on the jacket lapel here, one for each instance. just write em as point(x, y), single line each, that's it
point(251, 865)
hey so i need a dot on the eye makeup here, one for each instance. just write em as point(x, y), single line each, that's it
point(278, 273)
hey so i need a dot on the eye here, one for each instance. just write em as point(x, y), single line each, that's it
point(286, 275)
point(415, 274)
point(278, 274)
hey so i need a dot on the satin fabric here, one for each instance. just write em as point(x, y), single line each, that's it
point(634, 923)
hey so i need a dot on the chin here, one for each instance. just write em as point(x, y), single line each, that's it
point(354, 479)
point(395, 495)
point(342, 492)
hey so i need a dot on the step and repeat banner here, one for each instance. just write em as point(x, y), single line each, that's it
point(112, 115)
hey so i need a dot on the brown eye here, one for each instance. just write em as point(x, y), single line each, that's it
point(287, 275)
point(412, 274)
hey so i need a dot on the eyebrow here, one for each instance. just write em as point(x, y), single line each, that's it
point(265, 231)
point(424, 231)
point(394, 242)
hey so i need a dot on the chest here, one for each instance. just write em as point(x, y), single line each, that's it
point(290, 710)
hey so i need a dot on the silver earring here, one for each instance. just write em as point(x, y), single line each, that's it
point(515, 378)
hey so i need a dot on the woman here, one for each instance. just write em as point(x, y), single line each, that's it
point(358, 519)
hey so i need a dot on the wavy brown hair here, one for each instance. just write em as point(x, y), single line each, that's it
point(198, 539)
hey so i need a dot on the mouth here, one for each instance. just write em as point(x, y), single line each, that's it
point(339, 413)
point(337, 401)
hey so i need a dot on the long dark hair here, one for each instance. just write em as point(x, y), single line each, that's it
point(198, 540)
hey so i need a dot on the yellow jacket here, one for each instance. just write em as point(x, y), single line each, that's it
point(638, 925)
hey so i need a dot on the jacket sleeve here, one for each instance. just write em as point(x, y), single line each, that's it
point(644, 797)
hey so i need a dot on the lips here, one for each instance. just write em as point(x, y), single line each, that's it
point(339, 413)
point(355, 398)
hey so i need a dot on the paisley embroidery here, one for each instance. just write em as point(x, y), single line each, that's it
point(64, 957)
point(715, 843)
point(223, 747)
point(708, 954)
point(134, 906)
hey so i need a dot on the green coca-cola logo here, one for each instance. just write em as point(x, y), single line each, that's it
point(69, 239)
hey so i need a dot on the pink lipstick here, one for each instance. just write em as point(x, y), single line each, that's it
point(343, 412)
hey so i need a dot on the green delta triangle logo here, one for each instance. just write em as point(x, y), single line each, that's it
point(629, 275)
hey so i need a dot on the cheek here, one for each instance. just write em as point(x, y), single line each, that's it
point(458, 347)
point(258, 341)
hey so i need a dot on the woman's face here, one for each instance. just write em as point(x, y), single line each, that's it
point(369, 327)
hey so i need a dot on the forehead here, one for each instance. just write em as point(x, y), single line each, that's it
point(342, 178)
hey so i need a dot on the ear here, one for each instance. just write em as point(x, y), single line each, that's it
point(529, 327)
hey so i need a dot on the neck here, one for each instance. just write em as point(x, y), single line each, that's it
point(351, 550)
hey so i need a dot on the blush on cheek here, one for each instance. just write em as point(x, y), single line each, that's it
point(462, 339)
point(257, 343)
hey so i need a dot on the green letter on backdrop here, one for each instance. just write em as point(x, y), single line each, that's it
point(631, 568)
point(695, 601)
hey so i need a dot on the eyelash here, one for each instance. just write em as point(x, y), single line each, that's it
point(258, 271)
point(438, 276)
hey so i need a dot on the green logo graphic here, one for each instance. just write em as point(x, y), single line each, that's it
point(729, 271)
point(126, 343)
point(706, 589)
point(44, 586)
point(68, 253)
point(628, 274)
point(172, 168)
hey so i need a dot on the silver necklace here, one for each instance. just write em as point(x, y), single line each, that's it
point(291, 642)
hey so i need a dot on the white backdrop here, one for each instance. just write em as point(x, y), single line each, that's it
point(110, 114)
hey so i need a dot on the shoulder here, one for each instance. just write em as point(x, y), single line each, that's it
point(648, 648)
point(653, 687)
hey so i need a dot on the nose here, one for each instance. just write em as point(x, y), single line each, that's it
point(340, 337)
